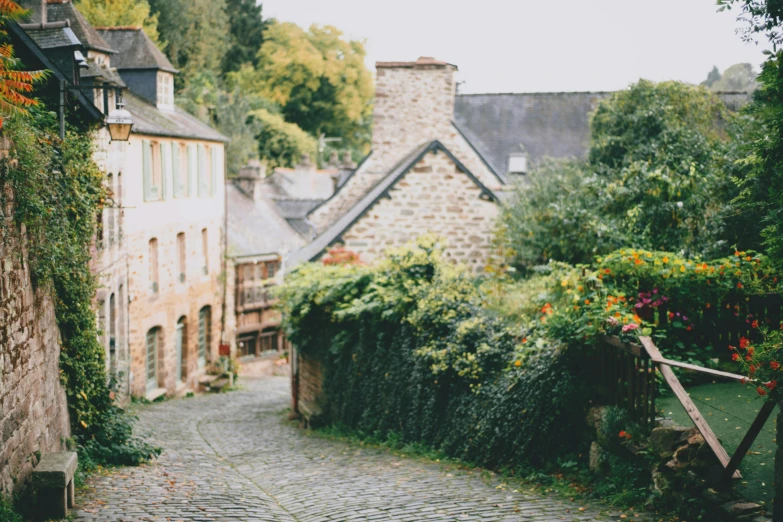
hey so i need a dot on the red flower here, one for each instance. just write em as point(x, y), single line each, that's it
point(774, 365)
point(752, 369)
point(771, 385)
point(751, 351)
point(755, 323)
point(748, 358)
point(744, 342)
point(735, 356)
point(761, 391)
point(744, 381)
point(732, 348)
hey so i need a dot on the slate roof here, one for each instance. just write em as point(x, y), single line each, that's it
point(555, 125)
point(255, 228)
point(61, 12)
point(54, 38)
point(98, 71)
point(177, 123)
point(135, 49)
point(332, 234)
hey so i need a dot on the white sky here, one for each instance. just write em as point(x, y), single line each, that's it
point(539, 45)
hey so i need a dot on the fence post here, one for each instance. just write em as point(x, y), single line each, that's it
point(777, 510)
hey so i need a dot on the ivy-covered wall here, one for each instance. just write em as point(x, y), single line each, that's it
point(33, 411)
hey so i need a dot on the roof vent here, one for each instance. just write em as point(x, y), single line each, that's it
point(517, 163)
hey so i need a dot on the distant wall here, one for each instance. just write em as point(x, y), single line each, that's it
point(33, 412)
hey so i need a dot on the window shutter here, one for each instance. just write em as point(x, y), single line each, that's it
point(202, 171)
point(217, 162)
point(146, 165)
point(192, 186)
point(165, 168)
point(177, 177)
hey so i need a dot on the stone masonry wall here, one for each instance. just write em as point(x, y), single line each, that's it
point(310, 382)
point(434, 197)
point(33, 410)
point(414, 105)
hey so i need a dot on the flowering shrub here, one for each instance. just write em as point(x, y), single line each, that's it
point(762, 362)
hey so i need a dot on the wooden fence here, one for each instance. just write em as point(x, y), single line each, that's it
point(628, 376)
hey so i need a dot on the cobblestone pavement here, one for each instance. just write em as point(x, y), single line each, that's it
point(232, 457)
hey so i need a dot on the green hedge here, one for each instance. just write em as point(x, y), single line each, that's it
point(409, 350)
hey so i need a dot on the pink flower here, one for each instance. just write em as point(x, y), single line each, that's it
point(630, 326)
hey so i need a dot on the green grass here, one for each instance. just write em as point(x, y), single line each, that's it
point(730, 408)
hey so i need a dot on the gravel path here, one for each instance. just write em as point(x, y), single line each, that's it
point(232, 457)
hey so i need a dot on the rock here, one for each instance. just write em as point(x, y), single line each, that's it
point(598, 458)
point(696, 440)
point(715, 497)
point(687, 434)
point(741, 510)
point(662, 440)
point(594, 416)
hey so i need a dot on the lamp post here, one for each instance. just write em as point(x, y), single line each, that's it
point(119, 120)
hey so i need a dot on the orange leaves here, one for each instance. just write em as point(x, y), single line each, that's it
point(10, 9)
point(14, 84)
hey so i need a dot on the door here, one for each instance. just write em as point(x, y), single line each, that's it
point(152, 359)
point(178, 338)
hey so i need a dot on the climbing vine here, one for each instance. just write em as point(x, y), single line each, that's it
point(58, 194)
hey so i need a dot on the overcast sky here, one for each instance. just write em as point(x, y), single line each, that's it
point(539, 45)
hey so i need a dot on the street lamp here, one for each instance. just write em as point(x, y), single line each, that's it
point(120, 123)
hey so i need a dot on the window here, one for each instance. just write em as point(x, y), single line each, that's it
point(152, 163)
point(112, 334)
point(181, 169)
point(272, 267)
point(110, 213)
point(269, 341)
point(205, 249)
point(182, 256)
point(204, 334)
point(247, 346)
point(153, 341)
point(165, 89)
point(153, 265)
point(180, 345)
point(204, 171)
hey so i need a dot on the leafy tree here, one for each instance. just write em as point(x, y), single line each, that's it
point(712, 77)
point(738, 77)
point(657, 178)
point(110, 13)
point(247, 34)
point(282, 144)
point(317, 77)
point(196, 33)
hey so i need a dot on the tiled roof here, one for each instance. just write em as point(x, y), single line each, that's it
point(54, 38)
point(255, 228)
point(135, 49)
point(555, 125)
point(177, 123)
point(62, 11)
point(98, 71)
point(345, 221)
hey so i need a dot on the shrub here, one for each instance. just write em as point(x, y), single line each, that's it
point(408, 349)
point(280, 143)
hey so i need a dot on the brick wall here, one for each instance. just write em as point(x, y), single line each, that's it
point(434, 197)
point(33, 412)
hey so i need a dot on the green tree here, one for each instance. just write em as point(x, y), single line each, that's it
point(281, 144)
point(110, 13)
point(738, 77)
point(317, 77)
point(196, 33)
point(247, 34)
point(712, 77)
point(657, 178)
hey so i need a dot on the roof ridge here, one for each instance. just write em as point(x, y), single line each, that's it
point(533, 93)
point(118, 28)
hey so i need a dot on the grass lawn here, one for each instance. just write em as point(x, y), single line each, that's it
point(730, 408)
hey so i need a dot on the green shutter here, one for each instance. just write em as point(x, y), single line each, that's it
point(165, 168)
point(146, 165)
point(192, 187)
point(202, 171)
point(215, 169)
point(177, 177)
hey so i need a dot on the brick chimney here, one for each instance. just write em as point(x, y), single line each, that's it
point(250, 178)
point(414, 103)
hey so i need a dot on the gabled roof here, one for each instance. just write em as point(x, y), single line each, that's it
point(135, 49)
point(62, 11)
point(177, 123)
point(255, 228)
point(54, 38)
point(332, 234)
point(555, 125)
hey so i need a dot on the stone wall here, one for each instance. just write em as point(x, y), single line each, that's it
point(434, 197)
point(33, 410)
point(309, 382)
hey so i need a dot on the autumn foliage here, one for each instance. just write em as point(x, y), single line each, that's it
point(14, 84)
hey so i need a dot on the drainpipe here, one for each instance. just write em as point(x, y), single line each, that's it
point(223, 335)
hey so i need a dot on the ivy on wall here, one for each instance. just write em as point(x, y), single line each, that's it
point(58, 195)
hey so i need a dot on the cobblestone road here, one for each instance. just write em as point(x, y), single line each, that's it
point(232, 457)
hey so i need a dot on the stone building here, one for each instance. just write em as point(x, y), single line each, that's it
point(159, 248)
point(421, 176)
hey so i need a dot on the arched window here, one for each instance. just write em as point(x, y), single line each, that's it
point(154, 342)
point(204, 334)
point(181, 348)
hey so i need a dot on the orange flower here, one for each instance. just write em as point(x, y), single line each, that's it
point(524, 340)
point(755, 323)
point(587, 301)
point(774, 365)
point(761, 391)
point(744, 342)
point(517, 363)
point(735, 356)
point(739, 285)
